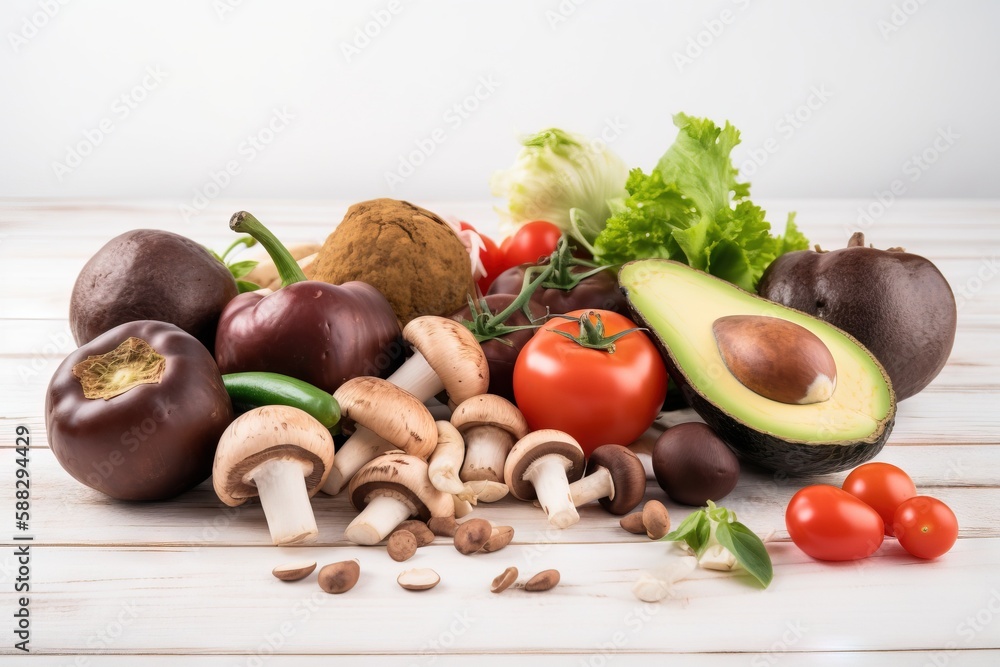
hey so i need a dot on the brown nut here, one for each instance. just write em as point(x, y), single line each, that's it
point(419, 579)
point(339, 577)
point(633, 523)
point(775, 358)
point(294, 571)
point(472, 535)
point(401, 546)
point(543, 581)
point(420, 531)
point(500, 537)
point(503, 580)
point(656, 519)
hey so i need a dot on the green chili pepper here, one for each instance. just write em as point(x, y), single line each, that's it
point(252, 390)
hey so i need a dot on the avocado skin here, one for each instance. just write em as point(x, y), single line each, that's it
point(793, 458)
point(149, 274)
point(897, 304)
point(773, 453)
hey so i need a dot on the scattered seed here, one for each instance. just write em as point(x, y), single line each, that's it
point(339, 577)
point(503, 580)
point(418, 579)
point(633, 523)
point(402, 545)
point(294, 571)
point(543, 581)
point(472, 535)
point(656, 519)
point(499, 538)
point(443, 526)
point(420, 531)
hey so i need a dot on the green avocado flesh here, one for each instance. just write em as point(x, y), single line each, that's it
point(679, 305)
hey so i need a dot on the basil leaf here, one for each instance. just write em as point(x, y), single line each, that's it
point(246, 286)
point(695, 530)
point(240, 269)
point(749, 550)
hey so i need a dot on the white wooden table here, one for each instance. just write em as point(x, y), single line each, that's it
point(108, 579)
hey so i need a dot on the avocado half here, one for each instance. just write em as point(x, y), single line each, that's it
point(679, 304)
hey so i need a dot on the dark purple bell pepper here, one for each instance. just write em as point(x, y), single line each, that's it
point(320, 333)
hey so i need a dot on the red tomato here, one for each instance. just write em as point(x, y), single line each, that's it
point(925, 527)
point(597, 397)
point(531, 242)
point(830, 524)
point(491, 257)
point(882, 487)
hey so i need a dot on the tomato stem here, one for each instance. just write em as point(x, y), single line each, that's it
point(592, 333)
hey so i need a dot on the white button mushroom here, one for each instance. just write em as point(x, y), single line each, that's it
point(385, 418)
point(490, 425)
point(390, 489)
point(447, 357)
point(542, 464)
point(282, 455)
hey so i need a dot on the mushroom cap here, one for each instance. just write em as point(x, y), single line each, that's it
point(490, 410)
point(265, 433)
point(402, 476)
point(454, 354)
point(627, 475)
point(393, 413)
point(532, 447)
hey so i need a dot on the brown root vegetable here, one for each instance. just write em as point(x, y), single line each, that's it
point(406, 252)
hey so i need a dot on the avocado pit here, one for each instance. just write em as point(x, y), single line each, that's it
point(777, 359)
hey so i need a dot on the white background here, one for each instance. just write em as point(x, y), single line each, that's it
point(885, 80)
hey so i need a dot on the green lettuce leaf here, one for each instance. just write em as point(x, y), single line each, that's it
point(692, 209)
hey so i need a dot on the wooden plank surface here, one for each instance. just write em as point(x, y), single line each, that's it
point(192, 577)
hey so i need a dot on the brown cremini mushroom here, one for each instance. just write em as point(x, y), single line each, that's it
point(390, 489)
point(490, 425)
point(446, 357)
point(542, 464)
point(615, 477)
point(282, 455)
point(384, 417)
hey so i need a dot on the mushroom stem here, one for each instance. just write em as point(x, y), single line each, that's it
point(417, 377)
point(377, 520)
point(462, 507)
point(281, 486)
point(547, 475)
point(486, 449)
point(643, 448)
point(594, 486)
point(363, 446)
point(442, 469)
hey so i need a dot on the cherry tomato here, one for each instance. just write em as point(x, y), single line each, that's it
point(531, 241)
point(491, 257)
point(925, 527)
point(596, 396)
point(830, 524)
point(882, 487)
